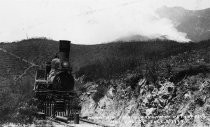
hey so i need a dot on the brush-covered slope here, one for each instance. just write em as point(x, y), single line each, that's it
point(107, 58)
point(10, 66)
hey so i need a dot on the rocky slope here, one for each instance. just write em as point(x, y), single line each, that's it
point(136, 100)
point(186, 103)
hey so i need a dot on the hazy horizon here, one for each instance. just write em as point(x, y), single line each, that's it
point(89, 21)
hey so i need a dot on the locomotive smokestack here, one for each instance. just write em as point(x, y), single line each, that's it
point(64, 49)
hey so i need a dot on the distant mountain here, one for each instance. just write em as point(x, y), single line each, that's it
point(195, 23)
point(134, 38)
point(39, 51)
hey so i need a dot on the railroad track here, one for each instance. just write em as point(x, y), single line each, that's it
point(60, 122)
point(69, 124)
point(95, 123)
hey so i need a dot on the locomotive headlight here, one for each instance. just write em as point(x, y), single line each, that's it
point(65, 64)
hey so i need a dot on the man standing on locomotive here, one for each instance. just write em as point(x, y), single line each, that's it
point(55, 66)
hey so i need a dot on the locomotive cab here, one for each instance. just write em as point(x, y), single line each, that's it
point(40, 80)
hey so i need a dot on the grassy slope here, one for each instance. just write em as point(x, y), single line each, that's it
point(122, 53)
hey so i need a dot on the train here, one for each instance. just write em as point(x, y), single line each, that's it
point(54, 87)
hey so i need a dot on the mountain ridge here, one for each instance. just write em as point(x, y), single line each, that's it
point(129, 54)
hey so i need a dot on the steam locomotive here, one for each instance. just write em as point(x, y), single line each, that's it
point(54, 86)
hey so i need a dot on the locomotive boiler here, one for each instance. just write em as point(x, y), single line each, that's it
point(54, 86)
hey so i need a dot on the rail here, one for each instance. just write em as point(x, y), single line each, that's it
point(68, 124)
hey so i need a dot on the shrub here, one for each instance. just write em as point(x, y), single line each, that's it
point(25, 113)
point(101, 92)
point(132, 80)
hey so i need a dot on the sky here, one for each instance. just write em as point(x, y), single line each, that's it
point(89, 21)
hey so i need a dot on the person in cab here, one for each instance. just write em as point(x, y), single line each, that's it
point(55, 66)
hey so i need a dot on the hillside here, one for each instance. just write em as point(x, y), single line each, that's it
point(117, 63)
point(11, 66)
point(172, 92)
point(118, 55)
point(15, 83)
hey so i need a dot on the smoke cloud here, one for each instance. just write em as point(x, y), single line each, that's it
point(137, 18)
point(126, 19)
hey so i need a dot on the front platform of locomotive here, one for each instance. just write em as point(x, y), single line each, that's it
point(54, 85)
